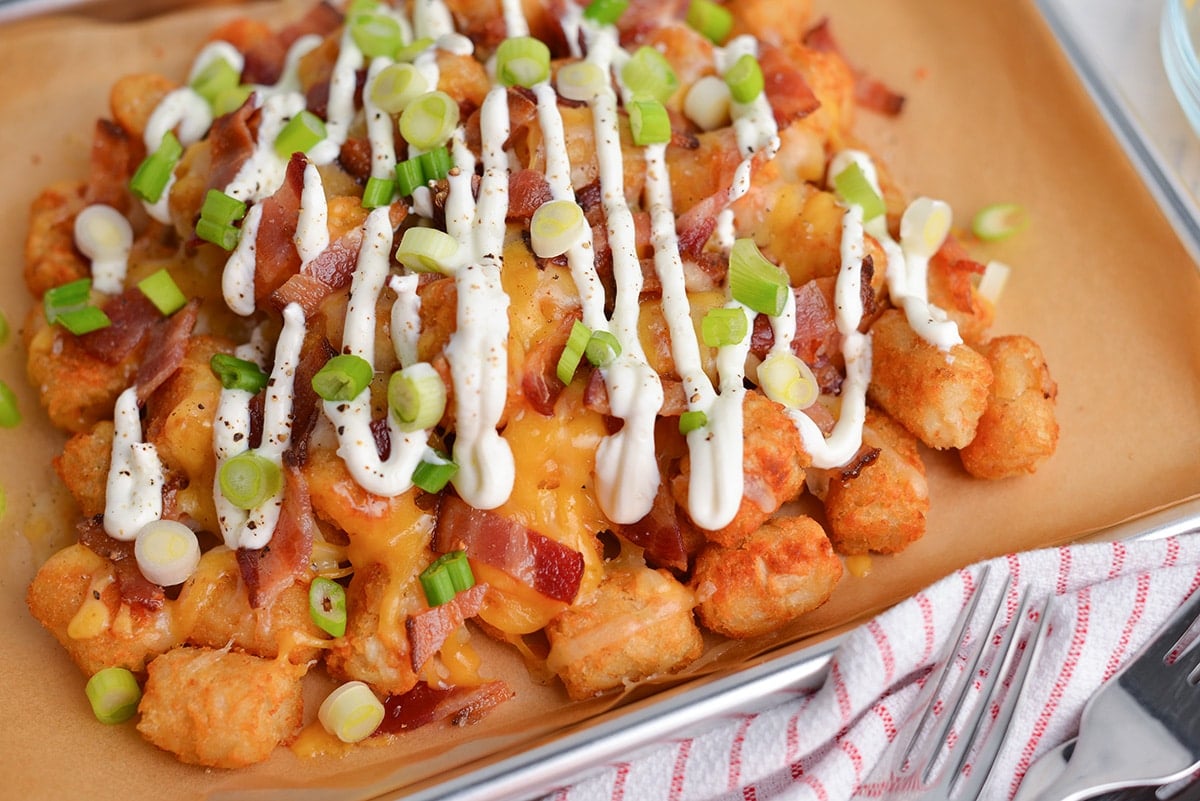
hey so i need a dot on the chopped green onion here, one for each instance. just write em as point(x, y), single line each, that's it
point(167, 552)
point(409, 176)
point(396, 86)
point(327, 606)
point(417, 397)
point(10, 414)
point(231, 99)
point(707, 103)
point(102, 233)
point(924, 226)
point(351, 713)
point(754, 281)
point(522, 61)
point(84, 321)
point(5, 331)
point(71, 296)
point(429, 120)
point(577, 342)
point(355, 7)
point(787, 380)
point(375, 34)
point(343, 377)
point(154, 173)
point(649, 123)
point(556, 227)
point(854, 187)
point(999, 221)
point(432, 476)
point(216, 77)
point(409, 52)
point(378, 192)
point(691, 420)
point(724, 326)
point(711, 20)
point(223, 235)
point(602, 348)
point(606, 12)
point(745, 79)
point(248, 480)
point(648, 75)
point(435, 164)
point(236, 373)
point(222, 208)
point(163, 292)
point(114, 695)
point(446, 576)
point(301, 133)
point(3, 503)
point(991, 283)
point(427, 250)
point(580, 80)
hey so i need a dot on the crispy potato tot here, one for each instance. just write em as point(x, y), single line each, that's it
point(51, 258)
point(637, 624)
point(879, 502)
point(1018, 431)
point(133, 99)
point(774, 461)
point(778, 573)
point(375, 648)
point(83, 467)
point(938, 396)
point(220, 709)
point(75, 596)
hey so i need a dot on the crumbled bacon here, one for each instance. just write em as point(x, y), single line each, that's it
point(659, 533)
point(115, 156)
point(276, 258)
point(424, 704)
point(539, 380)
point(428, 630)
point(266, 54)
point(355, 157)
point(135, 588)
point(869, 92)
point(546, 565)
point(270, 570)
point(231, 141)
point(132, 315)
point(330, 271)
point(790, 95)
point(166, 349)
point(306, 408)
point(527, 190)
point(595, 396)
point(697, 224)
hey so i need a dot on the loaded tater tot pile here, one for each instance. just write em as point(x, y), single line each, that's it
point(403, 325)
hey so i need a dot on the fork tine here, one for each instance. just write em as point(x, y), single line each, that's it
point(1181, 620)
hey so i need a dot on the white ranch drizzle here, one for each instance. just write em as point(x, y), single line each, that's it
point(431, 19)
point(104, 235)
point(190, 116)
point(312, 228)
point(133, 493)
point(352, 419)
point(253, 528)
point(380, 125)
point(515, 23)
point(237, 280)
point(405, 318)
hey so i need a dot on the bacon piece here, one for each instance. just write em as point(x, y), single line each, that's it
point(659, 533)
point(132, 315)
point(790, 95)
point(276, 258)
point(527, 190)
point(539, 380)
point(428, 630)
point(232, 139)
point(869, 92)
point(331, 270)
point(548, 566)
point(115, 156)
point(270, 570)
point(355, 157)
point(135, 588)
point(816, 327)
point(595, 396)
point(306, 404)
point(424, 704)
point(166, 349)
point(643, 17)
point(266, 52)
point(697, 224)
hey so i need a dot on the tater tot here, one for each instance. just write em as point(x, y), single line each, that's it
point(83, 467)
point(637, 624)
point(75, 596)
point(220, 709)
point(375, 648)
point(938, 396)
point(879, 503)
point(1018, 431)
point(773, 461)
point(783, 570)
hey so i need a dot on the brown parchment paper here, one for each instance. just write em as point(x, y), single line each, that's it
point(993, 113)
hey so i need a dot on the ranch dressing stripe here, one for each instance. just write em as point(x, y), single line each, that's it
point(431, 19)
point(405, 317)
point(312, 227)
point(352, 419)
point(133, 493)
point(380, 125)
point(515, 23)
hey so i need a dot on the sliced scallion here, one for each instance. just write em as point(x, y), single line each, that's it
point(417, 397)
point(163, 292)
point(606, 12)
point(854, 187)
point(580, 80)
point(378, 192)
point(428, 120)
point(154, 173)
point(343, 377)
point(396, 86)
point(223, 235)
point(522, 61)
point(222, 208)
point(648, 75)
point(556, 227)
point(787, 380)
point(216, 77)
point(235, 373)
point(5, 331)
point(10, 414)
point(602, 348)
point(576, 345)
point(248, 480)
point(755, 282)
point(745, 79)
point(299, 134)
point(707, 103)
point(447, 576)
point(66, 297)
point(435, 163)
point(409, 52)
point(231, 99)
point(114, 695)
point(375, 34)
point(433, 474)
point(409, 176)
point(351, 712)
point(999, 221)
point(427, 250)
point(711, 20)
point(692, 420)
point(84, 321)
point(167, 552)
point(722, 326)
point(327, 606)
point(649, 123)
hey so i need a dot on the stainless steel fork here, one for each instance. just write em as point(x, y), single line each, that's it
point(951, 731)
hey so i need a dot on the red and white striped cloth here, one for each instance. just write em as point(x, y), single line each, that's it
point(824, 745)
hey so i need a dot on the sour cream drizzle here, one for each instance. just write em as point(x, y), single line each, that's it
point(133, 494)
point(253, 528)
